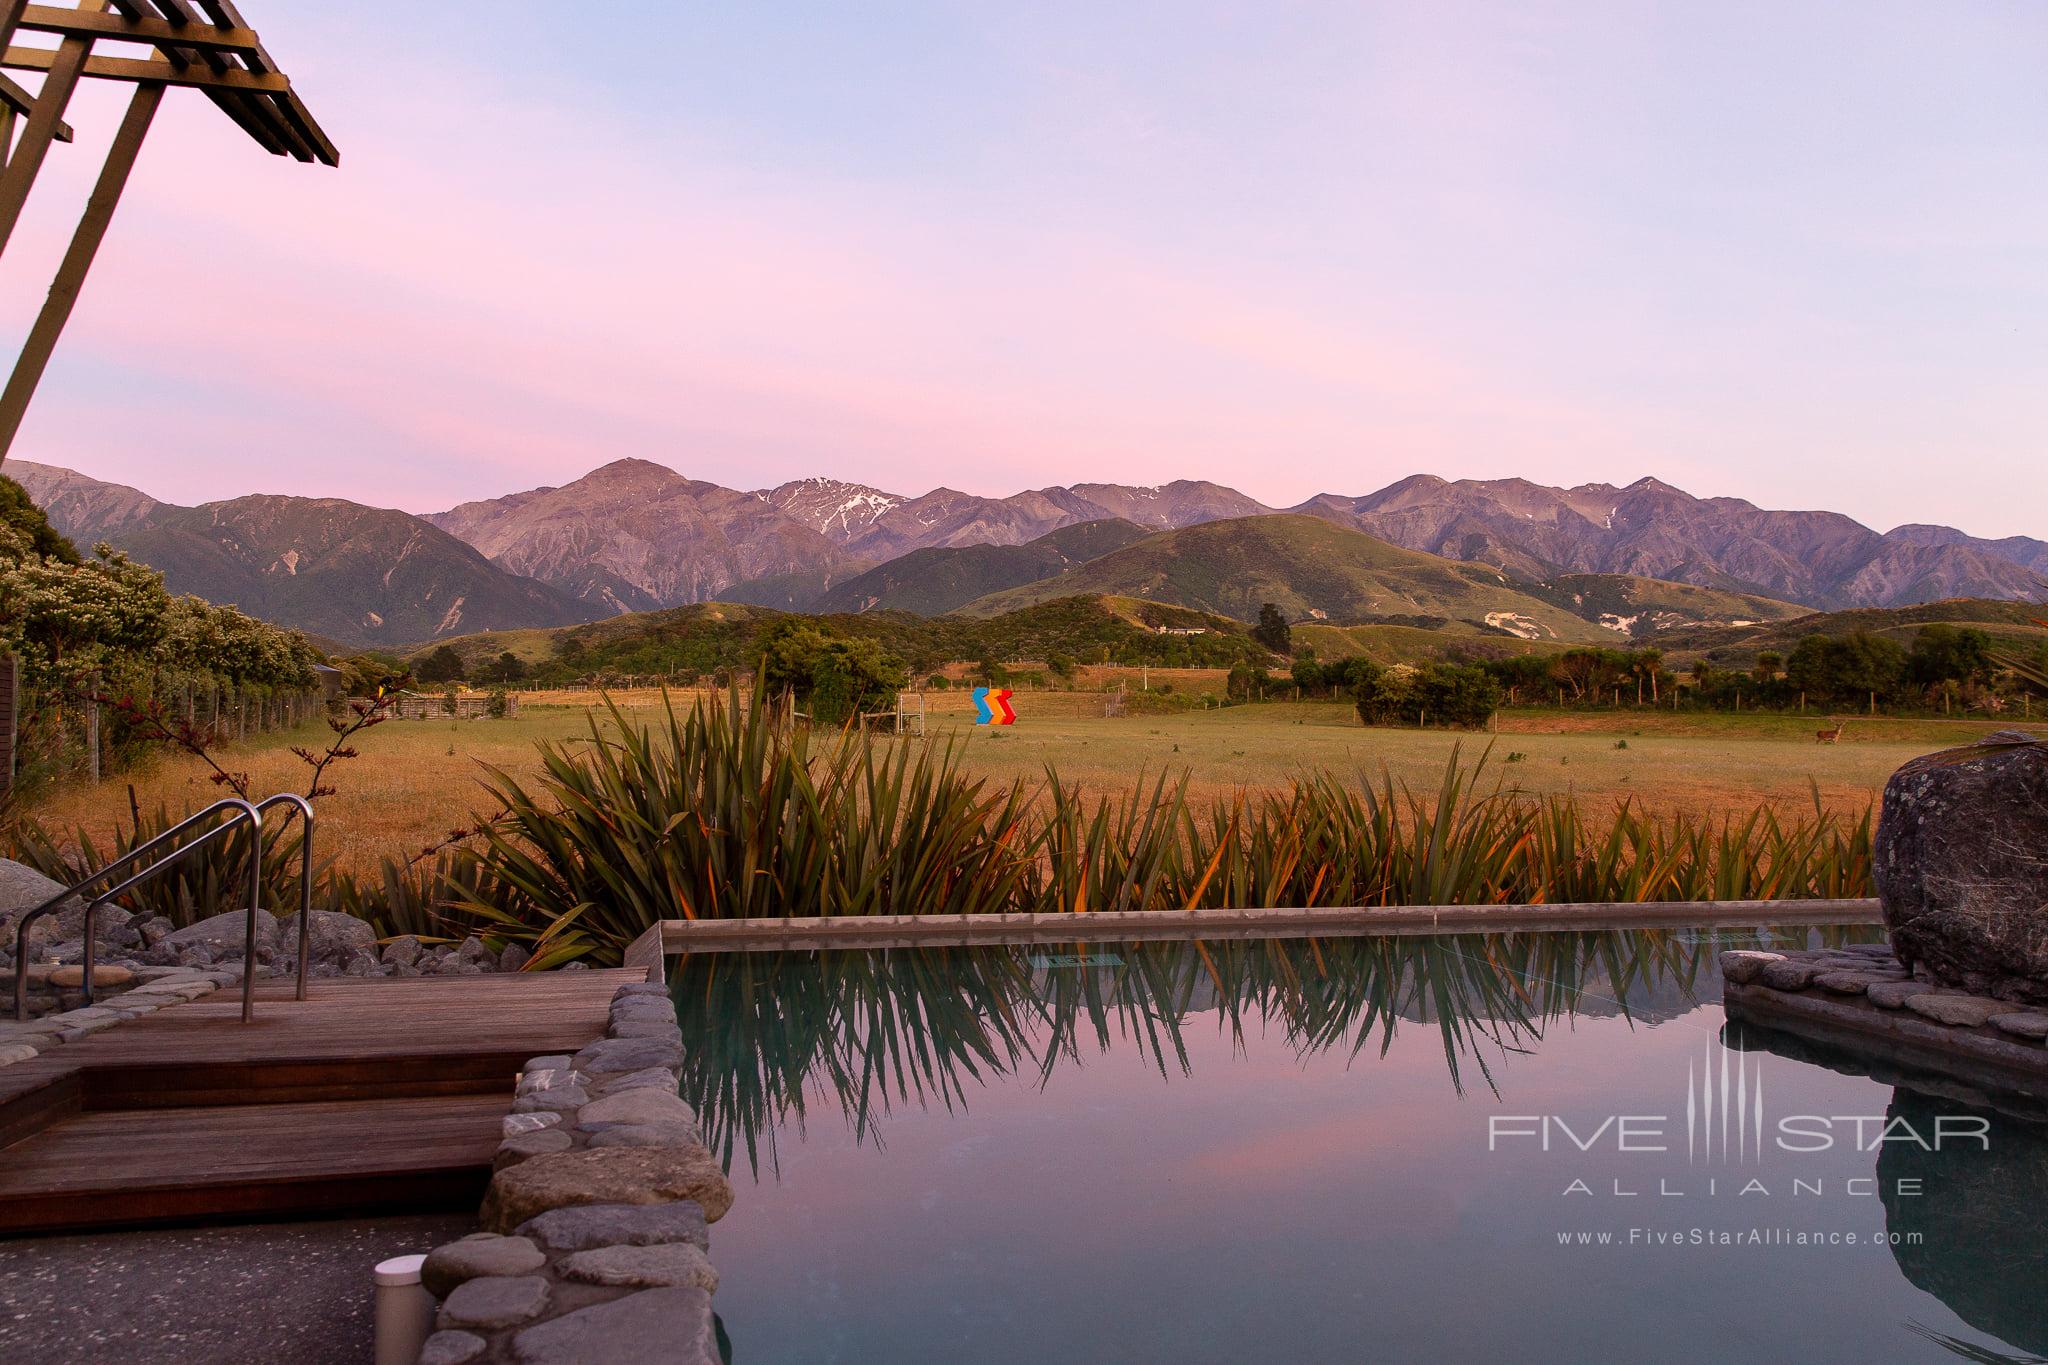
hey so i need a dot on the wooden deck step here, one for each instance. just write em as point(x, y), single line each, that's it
point(136, 1166)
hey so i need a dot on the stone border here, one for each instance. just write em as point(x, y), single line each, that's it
point(155, 988)
point(882, 931)
point(1866, 1000)
point(595, 1221)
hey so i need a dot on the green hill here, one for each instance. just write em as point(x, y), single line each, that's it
point(1640, 607)
point(932, 582)
point(707, 636)
point(1313, 570)
point(2013, 624)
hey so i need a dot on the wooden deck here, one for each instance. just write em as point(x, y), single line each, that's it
point(370, 1093)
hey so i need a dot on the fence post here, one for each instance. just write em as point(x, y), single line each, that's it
point(92, 734)
point(10, 705)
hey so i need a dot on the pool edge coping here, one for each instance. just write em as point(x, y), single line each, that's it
point(668, 937)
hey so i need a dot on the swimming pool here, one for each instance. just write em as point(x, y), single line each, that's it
point(1529, 1146)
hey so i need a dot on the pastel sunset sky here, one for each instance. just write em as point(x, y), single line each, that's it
point(1790, 251)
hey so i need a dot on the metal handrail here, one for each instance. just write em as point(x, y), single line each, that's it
point(242, 810)
point(305, 808)
point(238, 812)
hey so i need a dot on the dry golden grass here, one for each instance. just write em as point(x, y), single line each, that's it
point(417, 780)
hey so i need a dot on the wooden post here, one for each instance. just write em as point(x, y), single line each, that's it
point(66, 66)
point(85, 244)
point(92, 737)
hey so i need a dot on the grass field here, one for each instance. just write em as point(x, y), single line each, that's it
point(417, 780)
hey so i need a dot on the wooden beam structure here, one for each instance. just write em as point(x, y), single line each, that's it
point(199, 44)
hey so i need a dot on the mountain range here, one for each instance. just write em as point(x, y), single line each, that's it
point(633, 535)
point(362, 576)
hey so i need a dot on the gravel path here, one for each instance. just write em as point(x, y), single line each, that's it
point(282, 1292)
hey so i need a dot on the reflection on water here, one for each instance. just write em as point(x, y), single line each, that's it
point(1982, 1225)
point(1280, 1149)
point(878, 1028)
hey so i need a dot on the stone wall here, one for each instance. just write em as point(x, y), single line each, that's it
point(594, 1243)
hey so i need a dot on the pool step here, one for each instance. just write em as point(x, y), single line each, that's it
point(125, 1167)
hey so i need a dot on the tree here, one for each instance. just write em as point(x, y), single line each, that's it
point(1061, 665)
point(1272, 631)
point(1308, 674)
point(506, 668)
point(1769, 663)
point(18, 512)
point(1846, 669)
point(835, 676)
point(1457, 694)
point(443, 665)
point(1945, 653)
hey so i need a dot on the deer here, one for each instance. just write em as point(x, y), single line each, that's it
point(1829, 736)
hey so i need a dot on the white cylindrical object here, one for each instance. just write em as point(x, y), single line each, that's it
point(405, 1310)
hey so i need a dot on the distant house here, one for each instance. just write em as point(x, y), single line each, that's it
point(1183, 630)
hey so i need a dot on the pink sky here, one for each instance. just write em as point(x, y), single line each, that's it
point(1294, 251)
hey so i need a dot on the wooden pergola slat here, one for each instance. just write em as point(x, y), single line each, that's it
point(72, 23)
point(205, 46)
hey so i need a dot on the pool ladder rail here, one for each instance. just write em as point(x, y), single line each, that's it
point(224, 817)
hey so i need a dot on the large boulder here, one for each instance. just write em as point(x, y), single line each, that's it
point(1962, 866)
point(224, 934)
point(333, 940)
point(22, 889)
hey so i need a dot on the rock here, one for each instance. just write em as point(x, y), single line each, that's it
point(670, 1325)
point(116, 928)
point(1959, 866)
point(675, 1265)
point(630, 1054)
point(648, 1135)
point(514, 958)
point(2021, 1025)
point(334, 938)
point(642, 988)
point(155, 929)
point(512, 1125)
point(548, 1063)
point(403, 951)
point(221, 936)
point(362, 962)
point(1845, 983)
point(1742, 965)
point(644, 1007)
point(458, 1262)
point(22, 889)
point(606, 1175)
point(452, 1348)
point(1893, 995)
point(104, 974)
point(605, 1225)
point(495, 1301)
point(473, 951)
point(656, 1077)
point(644, 1104)
point(560, 1099)
point(520, 1146)
point(1967, 1011)
point(645, 1028)
point(547, 1078)
point(1787, 974)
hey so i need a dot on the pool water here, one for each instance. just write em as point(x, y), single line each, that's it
point(1528, 1147)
